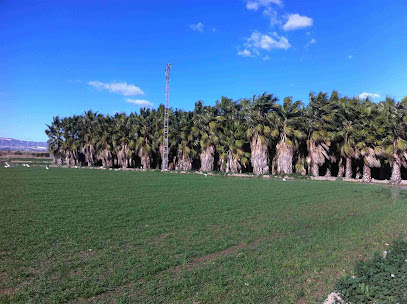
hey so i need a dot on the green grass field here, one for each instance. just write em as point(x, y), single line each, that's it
point(72, 235)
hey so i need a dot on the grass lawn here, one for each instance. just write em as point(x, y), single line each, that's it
point(71, 235)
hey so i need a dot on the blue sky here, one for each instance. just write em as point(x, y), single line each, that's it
point(66, 57)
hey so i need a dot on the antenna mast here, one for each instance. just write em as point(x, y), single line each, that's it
point(164, 166)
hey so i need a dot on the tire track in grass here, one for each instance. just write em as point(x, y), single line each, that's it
point(190, 265)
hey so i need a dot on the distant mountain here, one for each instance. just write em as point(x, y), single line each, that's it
point(11, 144)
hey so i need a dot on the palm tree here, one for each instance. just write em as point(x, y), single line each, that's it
point(70, 145)
point(393, 117)
point(259, 131)
point(183, 139)
point(367, 137)
point(123, 139)
point(207, 128)
point(347, 114)
point(55, 140)
point(157, 130)
point(232, 154)
point(88, 125)
point(320, 127)
point(336, 128)
point(104, 141)
point(287, 123)
point(145, 138)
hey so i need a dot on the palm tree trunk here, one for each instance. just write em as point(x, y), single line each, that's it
point(161, 156)
point(273, 165)
point(396, 172)
point(184, 163)
point(187, 163)
point(126, 153)
point(318, 154)
point(348, 172)
point(284, 158)
point(315, 169)
point(123, 157)
point(259, 155)
point(91, 155)
point(107, 158)
point(59, 161)
point(120, 158)
point(328, 172)
point(370, 160)
point(88, 152)
point(341, 168)
point(75, 158)
point(367, 174)
point(232, 164)
point(207, 159)
point(145, 159)
point(299, 168)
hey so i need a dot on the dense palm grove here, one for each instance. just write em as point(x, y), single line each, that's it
point(331, 136)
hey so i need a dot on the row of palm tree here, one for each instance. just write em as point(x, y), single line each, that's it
point(332, 135)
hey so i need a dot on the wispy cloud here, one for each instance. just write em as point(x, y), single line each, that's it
point(122, 88)
point(370, 95)
point(245, 53)
point(295, 22)
point(272, 14)
point(350, 57)
point(267, 42)
point(256, 4)
point(199, 27)
point(265, 58)
point(268, 10)
point(312, 41)
point(140, 102)
point(259, 42)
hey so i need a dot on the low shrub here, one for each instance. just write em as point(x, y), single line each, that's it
point(381, 279)
point(41, 154)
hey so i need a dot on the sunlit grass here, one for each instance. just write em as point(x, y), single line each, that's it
point(74, 235)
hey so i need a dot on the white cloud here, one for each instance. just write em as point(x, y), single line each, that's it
point(199, 27)
point(267, 42)
point(312, 41)
point(350, 57)
point(256, 4)
point(214, 29)
point(245, 53)
point(140, 102)
point(272, 14)
point(296, 21)
point(370, 95)
point(122, 88)
point(265, 58)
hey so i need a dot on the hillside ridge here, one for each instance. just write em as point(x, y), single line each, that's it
point(12, 144)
